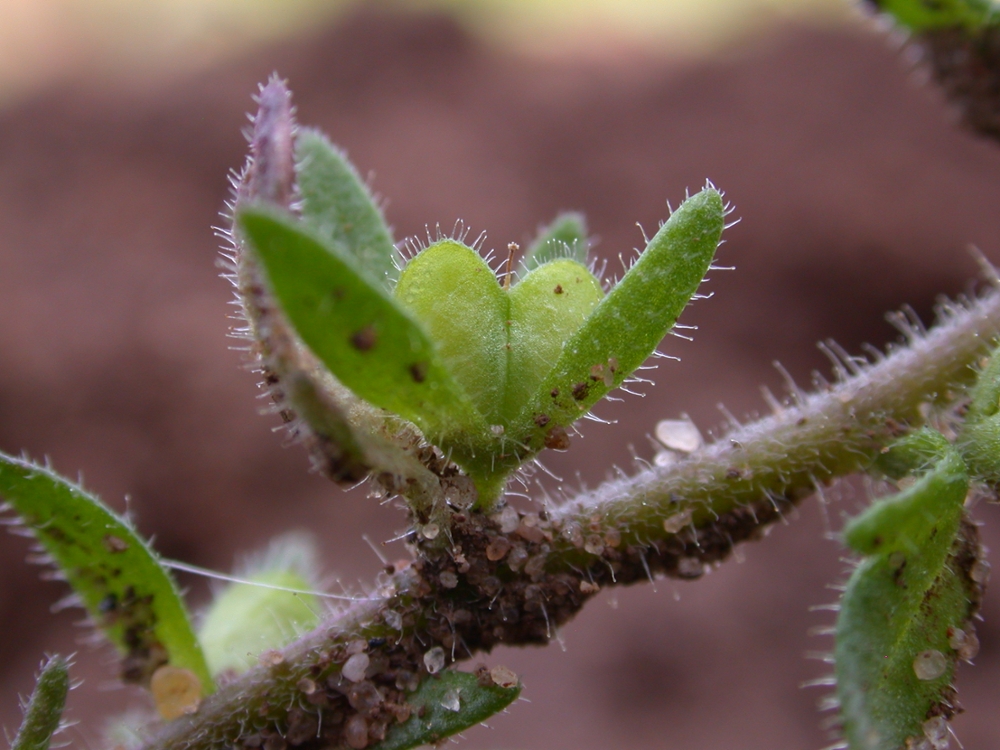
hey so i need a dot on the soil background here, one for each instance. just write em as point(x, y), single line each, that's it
point(858, 193)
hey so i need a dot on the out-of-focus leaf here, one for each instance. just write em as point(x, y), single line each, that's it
point(895, 654)
point(129, 594)
point(44, 710)
point(449, 703)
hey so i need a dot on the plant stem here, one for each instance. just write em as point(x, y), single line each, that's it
point(513, 578)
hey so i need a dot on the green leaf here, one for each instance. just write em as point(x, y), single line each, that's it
point(546, 308)
point(565, 237)
point(914, 453)
point(985, 394)
point(337, 204)
point(455, 296)
point(921, 15)
point(629, 323)
point(979, 440)
point(894, 658)
point(246, 619)
point(44, 710)
point(365, 339)
point(130, 596)
point(435, 699)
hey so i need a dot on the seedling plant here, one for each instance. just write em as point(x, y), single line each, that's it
point(440, 380)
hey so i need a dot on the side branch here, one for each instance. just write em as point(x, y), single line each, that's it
point(717, 495)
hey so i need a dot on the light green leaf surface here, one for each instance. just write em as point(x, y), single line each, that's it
point(44, 710)
point(436, 700)
point(546, 308)
point(129, 595)
point(893, 657)
point(337, 204)
point(456, 298)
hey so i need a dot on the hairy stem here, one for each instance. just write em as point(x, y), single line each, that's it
point(514, 577)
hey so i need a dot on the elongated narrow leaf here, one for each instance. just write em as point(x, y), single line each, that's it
point(630, 321)
point(445, 705)
point(565, 237)
point(352, 325)
point(896, 645)
point(130, 596)
point(338, 205)
point(44, 710)
point(920, 15)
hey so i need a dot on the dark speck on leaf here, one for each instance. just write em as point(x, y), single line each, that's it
point(364, 339)
point(418, 371)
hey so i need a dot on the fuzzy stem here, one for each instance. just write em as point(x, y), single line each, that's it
point(836, 431)
point(515, 577)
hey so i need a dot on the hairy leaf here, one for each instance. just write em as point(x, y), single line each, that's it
point(629, 323)
point(498, 342)
point(44, 710)
point(352, 325)
point(980, 437)
point(455, 296)
point(547, 307)
point(130, 596)
point(894, 656)
point(437, 699)
point(339, 206)
point(913, 454)
point(565, 237)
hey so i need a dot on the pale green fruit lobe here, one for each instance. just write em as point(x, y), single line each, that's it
point(499, 343)
point(546, 308)
point(455, 296)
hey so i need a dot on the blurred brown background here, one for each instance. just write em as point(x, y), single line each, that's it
point(857, 194)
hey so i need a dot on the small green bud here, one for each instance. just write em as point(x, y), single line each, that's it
point(247, 619)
